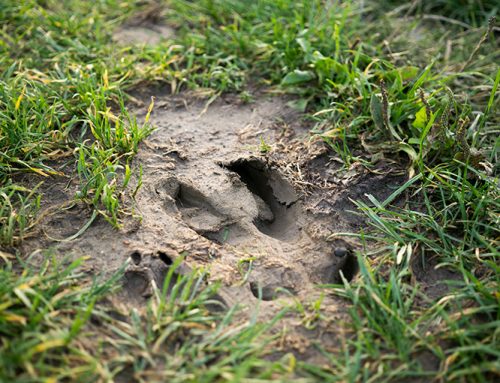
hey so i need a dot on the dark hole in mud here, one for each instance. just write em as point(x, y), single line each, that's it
point(262, 292)
point(188, 197)
point(269, 292)
point(275, 198)
point(136, 257)
point(135, 284)
point(349, 268)
point(165, 258)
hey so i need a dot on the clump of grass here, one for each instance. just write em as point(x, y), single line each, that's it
point(121, 133)
point(42, 318)
point(190, 343)
point(454, 219)
point(18, 209)
point(475, 12)
point(51, 315)
point(63, 87)
point(100, 174)
point(104, 166)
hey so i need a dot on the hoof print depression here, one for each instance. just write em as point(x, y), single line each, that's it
point(275, 198)
point(197, 212)
point(146, 268)
point(242, 204)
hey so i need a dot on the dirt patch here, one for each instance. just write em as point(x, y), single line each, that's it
point(145, 28)
point(260, 223)
point(435, 281)
point(146, 34)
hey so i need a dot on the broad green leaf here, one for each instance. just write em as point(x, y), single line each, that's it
point(399, 256)
point(304, 44)
point(299, 105)
point(408, 72)
point(414, 141)
point(420, 119)
point(298, 77)
point(408, 150)
point(405, 73)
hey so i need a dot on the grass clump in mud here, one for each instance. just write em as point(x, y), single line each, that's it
point(415, 85)
point(57, 325)
point(57, 96)
point(42, 315)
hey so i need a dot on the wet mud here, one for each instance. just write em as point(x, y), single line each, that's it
point(261, 223)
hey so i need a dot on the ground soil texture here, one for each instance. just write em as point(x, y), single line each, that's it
point(262, 223)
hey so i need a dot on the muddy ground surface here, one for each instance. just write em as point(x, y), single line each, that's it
point(263, 224)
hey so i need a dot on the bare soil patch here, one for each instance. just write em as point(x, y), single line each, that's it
point(146, 28)
point(261, 222)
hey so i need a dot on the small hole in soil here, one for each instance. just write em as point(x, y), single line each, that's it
point(135, 283)
point(165, 258)
point(136, 257)
point(265, 293)
point(349, 268)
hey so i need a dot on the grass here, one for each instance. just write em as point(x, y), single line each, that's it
point(464, 318)
point(43, 311)
point(52, 314)
point(410, 82)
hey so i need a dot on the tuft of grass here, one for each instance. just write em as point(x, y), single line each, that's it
point(51, 315)
point(468, 13)
point(58, 84)
point(42, 318)
point(453, 218)
point(18, 209)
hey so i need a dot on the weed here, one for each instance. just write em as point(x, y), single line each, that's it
point(264, 147)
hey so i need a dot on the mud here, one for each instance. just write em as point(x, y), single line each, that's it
point(143, 35)
point(145, 28)
point(261, 223)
